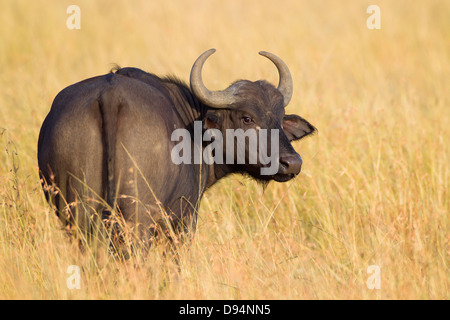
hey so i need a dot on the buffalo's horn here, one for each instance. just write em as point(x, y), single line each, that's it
point(285, 84)
point(214, 99)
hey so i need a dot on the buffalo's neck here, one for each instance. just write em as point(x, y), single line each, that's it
point(187, 106)
point(217, 172)
point(189, 110)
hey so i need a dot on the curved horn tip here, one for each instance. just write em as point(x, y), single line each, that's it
point(209, 52)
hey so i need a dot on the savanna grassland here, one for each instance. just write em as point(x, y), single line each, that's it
point(374, 188)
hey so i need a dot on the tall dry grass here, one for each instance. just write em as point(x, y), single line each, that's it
point(374, 189)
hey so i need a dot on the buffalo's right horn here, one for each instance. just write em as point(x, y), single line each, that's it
point(214, 99)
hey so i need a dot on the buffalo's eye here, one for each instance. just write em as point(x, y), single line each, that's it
point(247, 120)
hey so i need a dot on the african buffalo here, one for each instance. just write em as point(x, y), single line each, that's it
point(110, 137)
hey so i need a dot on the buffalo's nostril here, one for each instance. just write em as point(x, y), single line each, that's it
point(290, 164)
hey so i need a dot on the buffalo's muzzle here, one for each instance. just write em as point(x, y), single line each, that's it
point(290, 164)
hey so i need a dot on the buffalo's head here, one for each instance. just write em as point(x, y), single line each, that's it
point(259, 106)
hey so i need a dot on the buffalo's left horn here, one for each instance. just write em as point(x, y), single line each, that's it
point(285, 85)
point(214, 99)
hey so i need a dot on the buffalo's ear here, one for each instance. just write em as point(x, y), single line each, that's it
point(295, 127)
point(212, 120)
